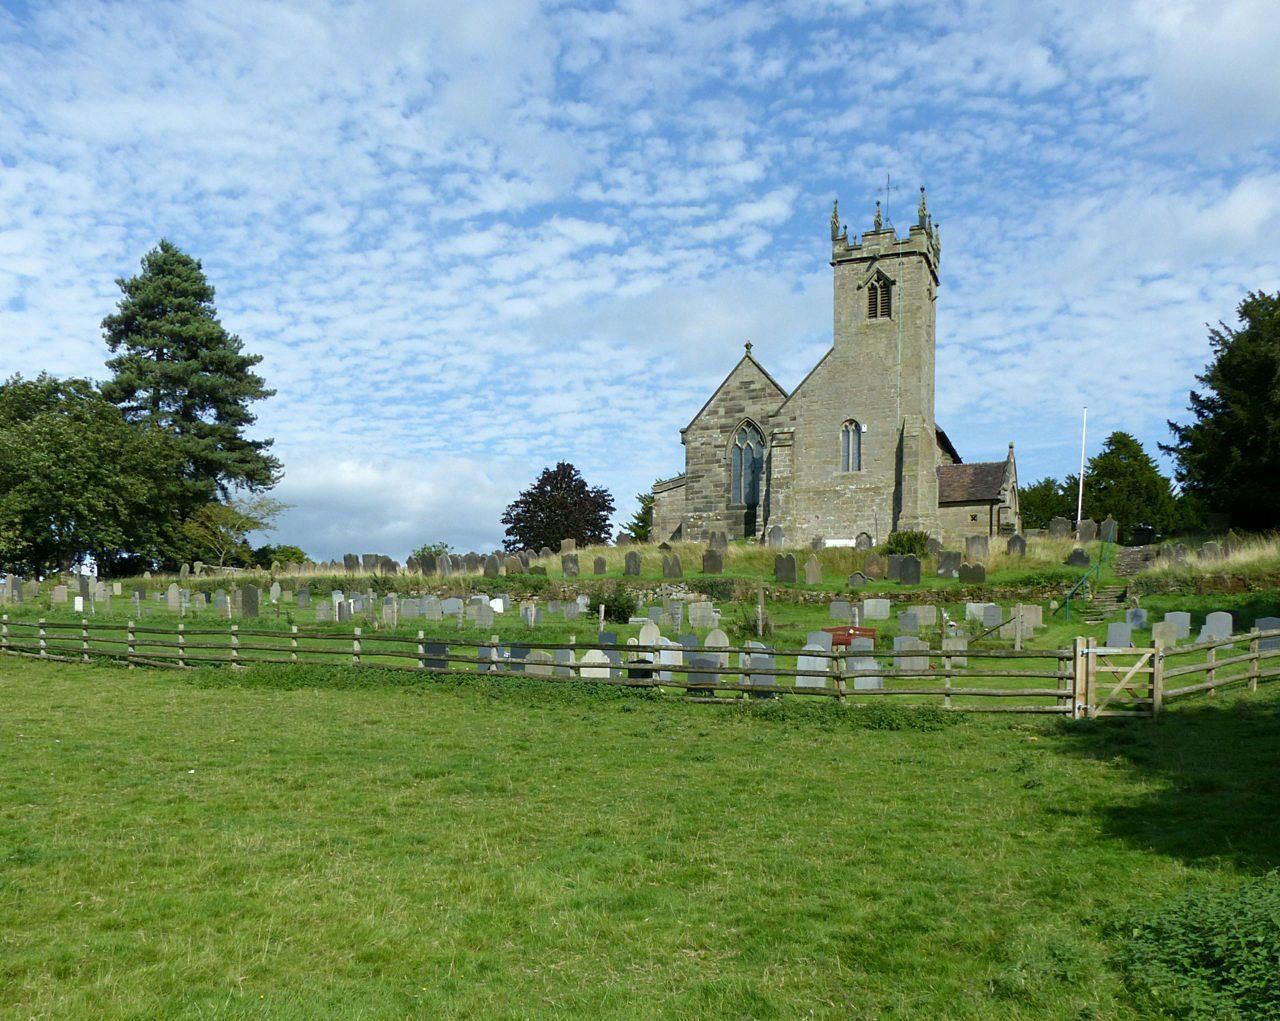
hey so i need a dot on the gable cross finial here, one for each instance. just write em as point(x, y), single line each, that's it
point(747, 346)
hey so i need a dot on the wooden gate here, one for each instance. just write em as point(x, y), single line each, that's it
point(1121, 681)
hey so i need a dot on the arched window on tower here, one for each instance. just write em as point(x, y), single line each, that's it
point(747, 465)
point(880, 298)
point(851, 447)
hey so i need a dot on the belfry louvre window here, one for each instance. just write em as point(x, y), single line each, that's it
point(747, 464)
point(851, 447)
point(879, 299)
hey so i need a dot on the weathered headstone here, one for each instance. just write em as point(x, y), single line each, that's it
point(949, 564)
point(712, 562)
point(671, 566)
point(893, 567)
point(976, 548)
point(1078, 558)
point(1059, 528)
point(784, 568)
point(1267, 624)
point(775, 538)
point(856, 580)
point(1119, 635)
point(599, 566)
point(972, 574)
point(1164, 634)
point(249, 599)
point(568, 545)
point(926, 613)
point(1136, 617)
point(908, 623)
point(1086, 530)
point(1217, 625)
point(274, 593)
point(1181, 621)
point(909, 570)
point(631, 564)
point(819, 664)
point(874, 567)
point(1016, 546)
point(492, 566)
point(812, 571)
point(956, 644)
point(59, 597)
point(1109, 529)
point(905, 643)
point(172, 598)
point(569, 564)
point(863, 541)
point(718, 540)
point(875, 609)
point(1211, 551)
point(840, 609)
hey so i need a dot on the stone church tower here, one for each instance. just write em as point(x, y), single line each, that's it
point(854, 452)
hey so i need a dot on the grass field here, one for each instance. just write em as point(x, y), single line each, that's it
point(299, 843)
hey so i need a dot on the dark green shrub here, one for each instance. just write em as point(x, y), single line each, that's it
point(718, 590)
point(1209, 954)
point(619, 603)
point(906, 542)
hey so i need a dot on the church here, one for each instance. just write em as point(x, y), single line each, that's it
point(853, 453)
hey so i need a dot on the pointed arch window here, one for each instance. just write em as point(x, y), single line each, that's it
point(746, 464)
point(851, 446)
point(880, 298)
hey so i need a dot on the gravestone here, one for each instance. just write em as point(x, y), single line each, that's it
point(863, 542)
point(893, 567)
point(813, 663)
point(599, 566)
point(856, 580)
point(671, 566)
point(572, 611)
point(59, 595)
point(1136, 618)
point(864, 669)
point(221, 605)
point(1119, 635)
point(569, 565)
point(718, 541)
point(538, 663)
point(1078, 558)
point(874, 566)
point(949, 564)
point(432, 608)
point(905, 643)
point(172, 598)
point(84, 585)
point(909, 570)
point(117, 588)
point(875, 609)
point(702, 615)
point(840, 609)
point(544, 553)
point(1086, 530)
point(926, 613)
point(324, 611)
point(976, 548)
point(812, 571)
point(992, 615)
point(776, 538)
point(784, 568)
point(973, 611)
point(249, 600)
point(1059, 528)
point(1164, 635)
point(451, 607)
point(492, 566)
point(760, 658)
point(512, 565)
point(1211, 551)
point(274, 593)
point(933, 546)
point(369, 562)
point(973, 574)
point(568, 545)
point(631, 564)
point(712, 562)
point(427, 564)
point(1267, 624)
point(1109, 529)
point(1016, 546)
point(954, 644)
point(1216, 625)
point(343, 612)
point(908, 623)
point(1181, 621)
point(184, 571)
point(594, 666)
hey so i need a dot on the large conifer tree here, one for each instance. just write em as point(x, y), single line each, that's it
point(177, 367)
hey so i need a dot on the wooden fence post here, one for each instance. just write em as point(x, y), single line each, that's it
point(235, 645)
point(1078, 674)
point(946, 679)
point(4, 633)
point(422, 650)
point(182, 644)
point(293, 643)
point(1157, 683)
point(1091, 678)
point(44, 646)
point(1254, 665)
point(355, 647)
point(1209, 673)
point(84, 640)
point(131, 643)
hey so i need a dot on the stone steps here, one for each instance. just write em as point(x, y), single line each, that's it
point(1129, 560)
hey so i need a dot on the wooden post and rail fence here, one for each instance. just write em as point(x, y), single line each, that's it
point(1085, 681)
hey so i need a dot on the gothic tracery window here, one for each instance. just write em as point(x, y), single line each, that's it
point(747, 464)
point(880, 298)
point(851, 446)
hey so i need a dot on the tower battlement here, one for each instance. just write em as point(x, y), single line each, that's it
point(882, 241)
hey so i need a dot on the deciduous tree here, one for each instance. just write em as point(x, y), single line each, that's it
point(559, 505)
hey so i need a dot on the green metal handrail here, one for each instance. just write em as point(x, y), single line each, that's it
point(1094, 572)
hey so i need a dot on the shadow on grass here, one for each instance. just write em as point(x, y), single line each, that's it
point(1212, 772)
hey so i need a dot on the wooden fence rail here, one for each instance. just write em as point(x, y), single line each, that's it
point(1085, 681)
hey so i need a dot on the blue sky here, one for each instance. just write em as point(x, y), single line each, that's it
point(472, 240)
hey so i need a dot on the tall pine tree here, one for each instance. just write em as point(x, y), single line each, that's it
point(177, 367)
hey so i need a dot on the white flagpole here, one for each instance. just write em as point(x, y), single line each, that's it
point(1084, 421)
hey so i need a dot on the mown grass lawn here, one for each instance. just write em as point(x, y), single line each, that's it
point(297, 843)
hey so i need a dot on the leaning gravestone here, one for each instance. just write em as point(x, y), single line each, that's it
point(933, 546)
point(949, 564)
point(909, 570)
point(975, 548)
point(784, 568)
point(512, 565)
point(1078, 558)
point(1059, 528)
point(973, 574)
point(812, 571)
point(631, 565)
point(712, 562)
point(249, 601)
point(1016, 546)
point(1109, 529)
